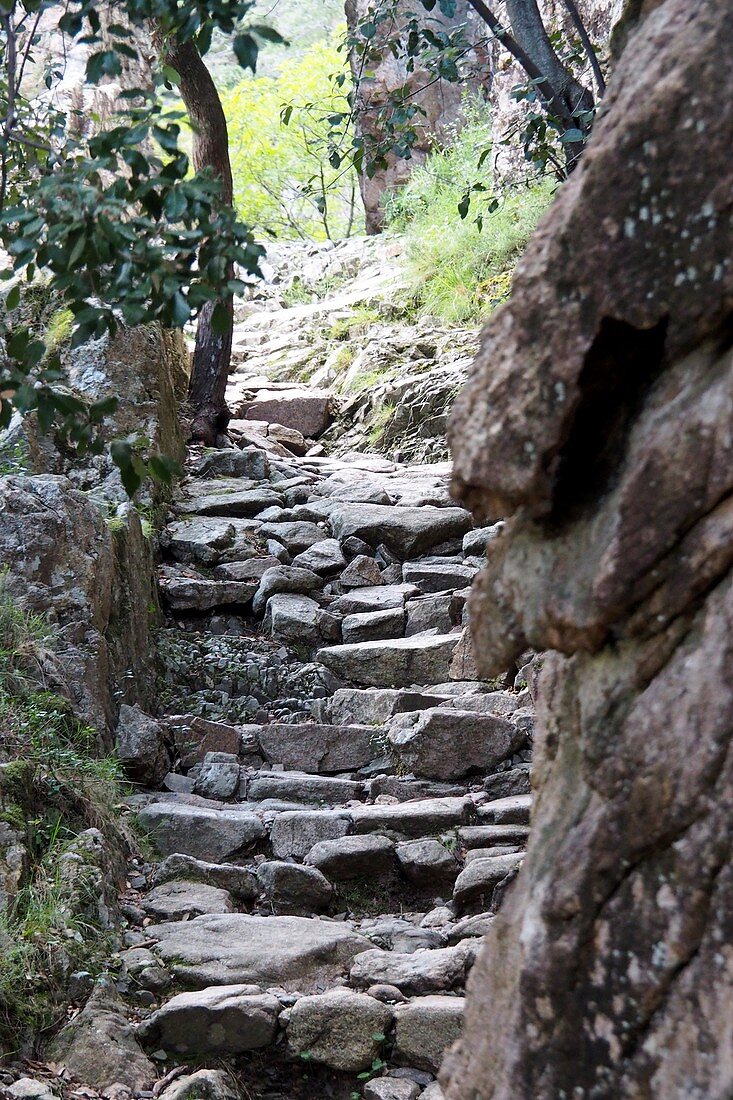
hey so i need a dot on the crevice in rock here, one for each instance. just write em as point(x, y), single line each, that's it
point(619, 370)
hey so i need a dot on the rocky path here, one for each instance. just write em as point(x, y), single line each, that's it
point(332, 803)
point(341, 805)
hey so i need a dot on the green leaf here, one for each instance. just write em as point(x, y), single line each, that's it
point(572, 136)
point(246, 51)
point(180, 311)
point(13, 299)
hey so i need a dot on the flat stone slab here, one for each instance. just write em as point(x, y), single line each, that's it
point(397, 662)
point(338, 1029)
point(514, 810)
point(407, 532)
point(226, 498)
point(295, 952)
point(301, 787)
point(222, 1020)
point(196, 593)
point(384, 597)
point(434, 576)
point(209, 835)
point(325, 749)
point(240, 882)
point(294, 832)
point(375, 706)
point(476, 882)
point(445, 743)
point(483, 836)
point(425, 817)
point(350, 857)
point(416, 973)
point(209, 540)
point(308, 411)
point(181, 900)
point(425, 1029)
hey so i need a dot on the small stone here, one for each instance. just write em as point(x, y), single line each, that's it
point(338, 1029)
point(363, 572)
point(27, 1088)
point(292, 888)
point(388, 994)
point(390, 1088)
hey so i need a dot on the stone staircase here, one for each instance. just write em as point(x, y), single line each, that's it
point(335, 802)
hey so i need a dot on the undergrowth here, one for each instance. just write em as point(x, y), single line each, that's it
point(459, 272)
point(53, 788)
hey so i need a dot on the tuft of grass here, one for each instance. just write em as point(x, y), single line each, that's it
point(459, 271)
point(58, 330)
point(380, 420)
point(356, 324)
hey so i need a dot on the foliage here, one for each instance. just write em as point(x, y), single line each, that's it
point(555, 124)
point(283, 180)
point(123, 234)
point(52, 787)
point(461, 269)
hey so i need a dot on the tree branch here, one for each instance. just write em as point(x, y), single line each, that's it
point(584, 37)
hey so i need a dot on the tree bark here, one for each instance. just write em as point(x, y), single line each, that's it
point(211, 359)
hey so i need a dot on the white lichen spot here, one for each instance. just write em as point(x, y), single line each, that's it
point(660, 955)
point(629, 228)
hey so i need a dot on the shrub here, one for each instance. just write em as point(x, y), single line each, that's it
point(283, 182)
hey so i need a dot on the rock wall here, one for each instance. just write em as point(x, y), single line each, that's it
point(598, 418)
point(75, 549)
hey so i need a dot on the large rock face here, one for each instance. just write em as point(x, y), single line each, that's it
point(93, 577)
point(599, 417)
point(94, 584)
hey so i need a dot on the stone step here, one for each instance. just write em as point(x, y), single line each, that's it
point(402, 662)
point(445, 743)
point(235, 949)
point(211, 835)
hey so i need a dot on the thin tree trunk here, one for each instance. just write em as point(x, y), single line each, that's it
point(207, 388)
point(563, 96)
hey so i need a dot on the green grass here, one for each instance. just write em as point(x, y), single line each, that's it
point(460, 273)
point(53, 787)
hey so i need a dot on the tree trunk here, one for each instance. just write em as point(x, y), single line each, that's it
point(207, 388)
point(530, 30)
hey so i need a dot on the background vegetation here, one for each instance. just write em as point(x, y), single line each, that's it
point(461, 268)
point(283, 182)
